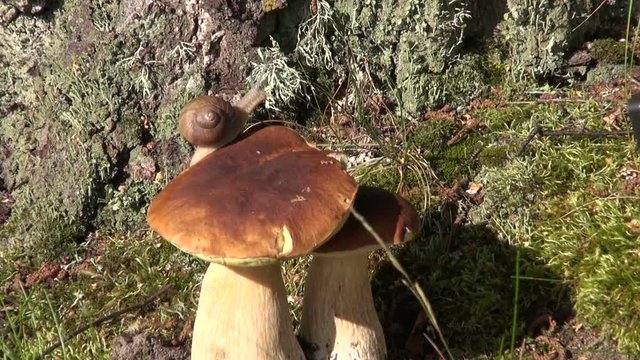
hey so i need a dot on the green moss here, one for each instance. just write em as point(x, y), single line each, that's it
point(456, 161)
point(503, 119)
point(117, 272)
point(592, 243)
point(449, 162)
point(565, 202)
point(507, 204)
point(431, 136)
point(411, 180)
point(608, 51)
point(497, 155)
point(469, 282)
point(380, 176)
point(605, 73)
point(424, 160)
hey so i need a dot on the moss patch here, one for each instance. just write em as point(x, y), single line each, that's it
point(469, 281)
point(566, 203)
point(608, 51)
point(564, 207)
point(113, 272)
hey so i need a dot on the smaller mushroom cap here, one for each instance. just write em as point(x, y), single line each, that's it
point(391, 216)
point(266, 197)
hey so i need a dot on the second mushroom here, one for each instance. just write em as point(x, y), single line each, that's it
point(339, 320)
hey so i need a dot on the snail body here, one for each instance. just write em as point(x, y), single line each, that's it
point(210, 122)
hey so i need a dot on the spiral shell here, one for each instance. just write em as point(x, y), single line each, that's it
point(205, 120)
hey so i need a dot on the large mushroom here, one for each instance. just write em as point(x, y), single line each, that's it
point(210, 122)
point(244, 208)
point(339, 320)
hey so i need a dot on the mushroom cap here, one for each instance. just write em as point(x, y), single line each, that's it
point(391, 216)
point(266, 197)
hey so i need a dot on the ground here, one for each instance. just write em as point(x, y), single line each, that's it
point(530, 244)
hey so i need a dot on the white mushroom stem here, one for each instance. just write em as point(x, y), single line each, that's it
point(339, 320)
point(244, 107)
point(243, 314)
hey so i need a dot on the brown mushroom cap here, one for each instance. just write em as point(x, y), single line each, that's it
point(391, 216)
point(268, 196)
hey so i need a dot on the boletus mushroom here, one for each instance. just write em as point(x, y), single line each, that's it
point(210, 122)
point(243, 208)
point(339, 320)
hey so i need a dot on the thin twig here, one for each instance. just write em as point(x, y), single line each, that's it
point(544, 101)
point(106, 318)
point(285, 122)
point(475, 155)
point(634, 80)
point(535, 131)
point(590, 15)
point(592, 134)
point(433, 344)
point(349, 146)
point(538, 130)
point(522, 349)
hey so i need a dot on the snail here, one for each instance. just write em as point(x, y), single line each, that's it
point(210, 122)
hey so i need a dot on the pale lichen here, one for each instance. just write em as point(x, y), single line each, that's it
point(85, 103)
point(538, 33)
point(273, 73)
point(402, 42)
point(318, 38)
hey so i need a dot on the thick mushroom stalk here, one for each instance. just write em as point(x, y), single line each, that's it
point(338, 316)
point(339, 320)
point(250, 322)
point(209, 122)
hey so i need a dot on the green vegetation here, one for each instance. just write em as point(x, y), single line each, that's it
point(609, 51)
point(555, 229)
point(105, 275)
point(564, 207)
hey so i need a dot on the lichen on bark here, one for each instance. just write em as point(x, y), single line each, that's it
point(402, 42)
point(89, 130)
point(412, 46)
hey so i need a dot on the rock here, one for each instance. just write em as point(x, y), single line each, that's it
point(144, 346)
point(30, 6)
point(7, 13)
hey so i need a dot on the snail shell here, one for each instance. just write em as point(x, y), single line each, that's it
point(206, 120)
